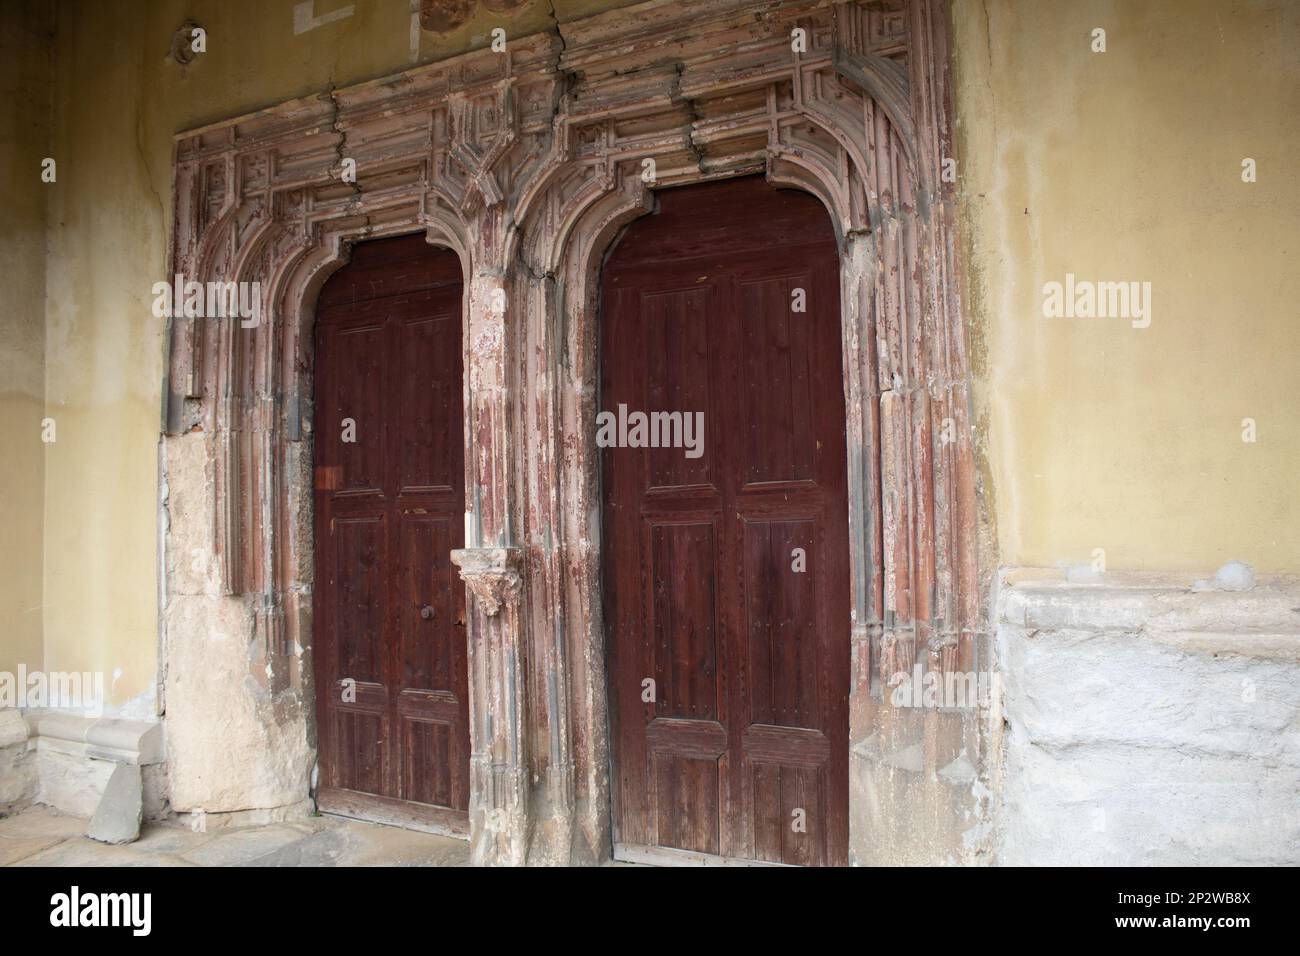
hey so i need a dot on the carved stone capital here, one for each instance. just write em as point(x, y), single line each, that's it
point(494, 575)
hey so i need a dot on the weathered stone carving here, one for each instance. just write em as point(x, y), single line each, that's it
point(443, 16)
point(492, 575)
point(182, 47)
point(527, 164)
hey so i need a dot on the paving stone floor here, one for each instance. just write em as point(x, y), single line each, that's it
point(39, 836)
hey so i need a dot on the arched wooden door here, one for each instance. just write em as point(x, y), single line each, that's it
point(726, 574)
point(389, 612)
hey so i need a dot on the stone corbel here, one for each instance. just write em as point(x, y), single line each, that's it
point(494, 575)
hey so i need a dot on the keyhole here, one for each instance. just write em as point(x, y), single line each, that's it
point(426, 612)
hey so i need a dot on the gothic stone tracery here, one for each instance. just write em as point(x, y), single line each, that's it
point(527, 163)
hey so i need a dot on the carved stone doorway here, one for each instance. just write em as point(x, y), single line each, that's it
point(527, 164)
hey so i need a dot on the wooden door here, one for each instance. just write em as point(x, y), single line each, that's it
point(726, 575)
point(389, 619)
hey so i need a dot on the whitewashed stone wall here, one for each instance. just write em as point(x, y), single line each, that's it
point(1149, 722)
point(18, 777)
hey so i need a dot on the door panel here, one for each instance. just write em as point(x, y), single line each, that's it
point(390, 606)
point(743, 750)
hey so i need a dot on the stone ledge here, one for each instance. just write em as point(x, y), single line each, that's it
point(137, 742)
point(1263, 622)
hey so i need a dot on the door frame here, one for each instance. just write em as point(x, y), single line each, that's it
point(527, 166)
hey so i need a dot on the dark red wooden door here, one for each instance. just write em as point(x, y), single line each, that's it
point(390, 638)
point(726, 575)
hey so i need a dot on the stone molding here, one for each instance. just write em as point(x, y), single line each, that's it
point(103, 738)
point(1261, 622)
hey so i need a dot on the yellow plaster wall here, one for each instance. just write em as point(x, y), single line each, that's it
point(1126, 165)
point(25, 32)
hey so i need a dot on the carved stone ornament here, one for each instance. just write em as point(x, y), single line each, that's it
point(444, 16)
point(492, 575)
point(182, 48)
